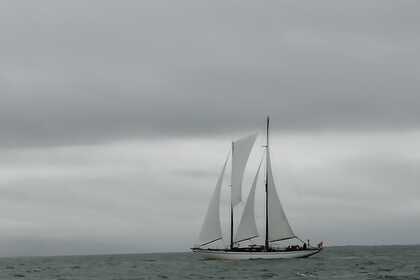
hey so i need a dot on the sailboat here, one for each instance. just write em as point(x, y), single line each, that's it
point(277, 227)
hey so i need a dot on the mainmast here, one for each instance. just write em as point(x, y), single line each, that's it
point(231, 211)
point(266, 189)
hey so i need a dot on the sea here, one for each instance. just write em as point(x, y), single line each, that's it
point(349, 262)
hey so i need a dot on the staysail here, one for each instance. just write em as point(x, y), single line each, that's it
point(211, 230)
point(278, 226)
point(247, 228)
point(240, 154)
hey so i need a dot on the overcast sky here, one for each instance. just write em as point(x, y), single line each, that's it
point(115, 117)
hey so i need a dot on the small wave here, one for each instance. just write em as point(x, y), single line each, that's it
point(268, 275)
point(149, 260)
point(307, 275)
point(347, 258)
point(385, 269)
point(75, 267)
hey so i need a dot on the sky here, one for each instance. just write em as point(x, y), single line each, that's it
point(116, 117)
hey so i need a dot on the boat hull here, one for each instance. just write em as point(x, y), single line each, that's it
point(248, 255)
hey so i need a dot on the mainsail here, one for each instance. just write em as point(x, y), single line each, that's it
point(247, 228)
point(211, 230)
point(240, 154)
point(278, 227)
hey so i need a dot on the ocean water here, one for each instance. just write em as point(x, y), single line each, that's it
point(381, 262)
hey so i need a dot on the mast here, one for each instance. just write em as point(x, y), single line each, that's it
point(266, 244)
point(231, 227)
point(231, 213)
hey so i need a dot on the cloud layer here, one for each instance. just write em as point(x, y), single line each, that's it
point(103, 71)
point(142, 196)
point(116, 117)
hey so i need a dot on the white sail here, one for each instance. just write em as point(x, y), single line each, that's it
point(247, 228)
point(240, 154)
point(278, 225)
point(211, 230)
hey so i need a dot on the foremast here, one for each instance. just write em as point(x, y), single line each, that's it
point(266, 243)
point(231, 211)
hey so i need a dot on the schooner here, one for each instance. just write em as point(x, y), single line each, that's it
point(277, 226)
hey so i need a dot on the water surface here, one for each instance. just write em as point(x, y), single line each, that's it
point(380, 262)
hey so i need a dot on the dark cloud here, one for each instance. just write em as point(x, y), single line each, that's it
point(86, 73)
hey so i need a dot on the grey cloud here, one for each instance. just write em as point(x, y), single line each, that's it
point(137, 192)
point(195, 173)
point(115, 118)
point(75, 74)
point(363, 179)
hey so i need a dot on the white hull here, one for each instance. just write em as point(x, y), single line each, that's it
point(243, 255)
